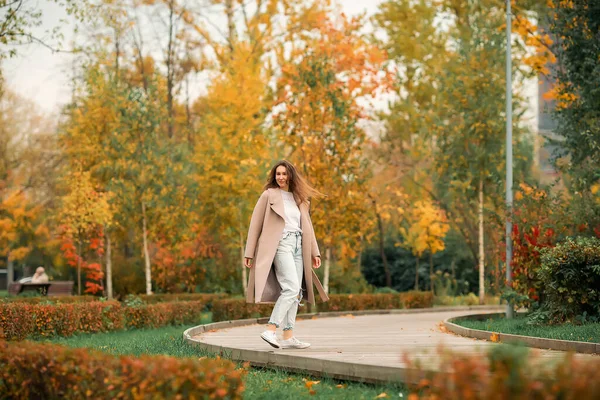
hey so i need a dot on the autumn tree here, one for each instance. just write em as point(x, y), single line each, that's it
point(84, 211)
point(445, 130)
point(329, 69)
point(234, 145)
point(575, 25)
point(18, 219)
point(426, 230)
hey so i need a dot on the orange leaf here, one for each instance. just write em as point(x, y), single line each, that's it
point(309, 384)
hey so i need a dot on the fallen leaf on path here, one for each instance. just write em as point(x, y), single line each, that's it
point(495, 338)
point(382, 395)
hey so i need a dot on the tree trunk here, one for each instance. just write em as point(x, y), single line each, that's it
point(386, 267)
point(417, 275)
point(79, 268)
point(431, 271)
point(188, 112)
point(359, 257)
point(327, 267)
point(454, 282)
point(244, 268)
point(481, 246)
point(109, 286)
point(497, 278)
point(146, 252)
point(170, 71)
point(10, 271)
point(117, 52)
point(231, 37)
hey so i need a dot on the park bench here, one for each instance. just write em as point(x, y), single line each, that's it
point(52, 288)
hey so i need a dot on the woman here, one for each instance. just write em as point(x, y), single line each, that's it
point(39, 276)
point(280, 251)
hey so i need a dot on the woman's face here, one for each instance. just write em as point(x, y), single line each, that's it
point(282, 178)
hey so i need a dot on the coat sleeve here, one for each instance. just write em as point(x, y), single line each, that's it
point(256, 223)
point(314, 246)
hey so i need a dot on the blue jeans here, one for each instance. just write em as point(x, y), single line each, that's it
point(289, 271)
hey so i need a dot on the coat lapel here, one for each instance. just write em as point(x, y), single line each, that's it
point(276, 201)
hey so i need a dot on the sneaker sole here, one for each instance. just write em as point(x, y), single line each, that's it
point(271, 343)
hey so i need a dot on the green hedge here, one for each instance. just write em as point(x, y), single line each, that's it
point(570, 277)
point(30, 370)
point(20, 321)
point(232, 309)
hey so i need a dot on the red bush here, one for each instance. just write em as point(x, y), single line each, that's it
point(22, 320)
point(232, 309)
point(31, 370)
point(161, 314)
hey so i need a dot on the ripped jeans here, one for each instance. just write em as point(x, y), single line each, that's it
point(289, 271)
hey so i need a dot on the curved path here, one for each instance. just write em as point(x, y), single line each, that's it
point(349, 346)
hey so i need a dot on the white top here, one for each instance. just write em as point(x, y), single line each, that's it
point(292, 213)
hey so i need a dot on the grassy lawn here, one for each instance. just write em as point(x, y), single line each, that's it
point(260, 383)
point(519, 326)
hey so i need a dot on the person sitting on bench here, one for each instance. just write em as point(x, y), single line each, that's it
point(39, 276)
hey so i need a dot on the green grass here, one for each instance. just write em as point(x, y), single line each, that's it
point(260, 383)
point(3, 293)
point(519, 326)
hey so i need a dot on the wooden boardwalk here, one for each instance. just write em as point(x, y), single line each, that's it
point(366, 347)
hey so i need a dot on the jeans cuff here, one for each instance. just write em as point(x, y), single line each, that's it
point(273, 323)
point(288, 328)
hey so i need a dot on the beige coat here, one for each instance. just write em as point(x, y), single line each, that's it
point(266, 229)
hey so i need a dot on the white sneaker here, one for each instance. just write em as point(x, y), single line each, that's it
point(271, 338)
point(294, 343)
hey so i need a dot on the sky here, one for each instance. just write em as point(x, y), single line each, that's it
point(44, 77)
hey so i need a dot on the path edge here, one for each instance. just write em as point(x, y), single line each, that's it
point(529, 341)
point(319, 367)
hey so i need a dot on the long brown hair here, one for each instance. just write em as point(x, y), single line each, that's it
point(298, 186)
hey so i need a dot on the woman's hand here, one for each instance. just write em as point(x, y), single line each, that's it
point(248, 262)
point(316, 262)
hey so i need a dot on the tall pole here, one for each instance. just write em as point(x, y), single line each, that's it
point(509, 156)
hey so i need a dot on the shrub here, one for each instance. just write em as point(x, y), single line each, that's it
point(470, 299)
point(206, 298)
point(385, 290)
point(22, 320)
point(570, 276)
point(34, 370)
point(358, 302)
point(509, 372)
point(417, 299)
point(230, 309)
point(51, 300)
point(162, 314)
